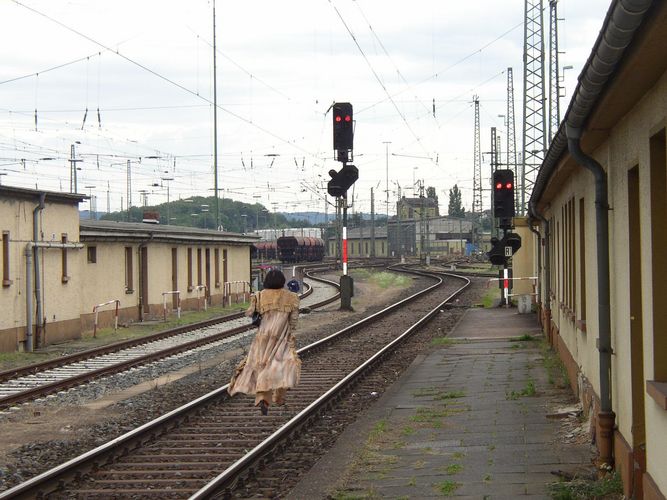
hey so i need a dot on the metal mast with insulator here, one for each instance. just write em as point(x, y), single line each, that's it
point(554, 105)
point(534, 115)
point(477, 164)
point(511, 132)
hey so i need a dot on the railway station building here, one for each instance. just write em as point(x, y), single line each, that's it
point(599, 204)
point(56, 269)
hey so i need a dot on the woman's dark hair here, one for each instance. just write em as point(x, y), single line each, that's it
point(274, 279)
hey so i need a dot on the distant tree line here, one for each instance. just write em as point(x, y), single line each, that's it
point(199, 211)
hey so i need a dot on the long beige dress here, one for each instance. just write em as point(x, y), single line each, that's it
point(272, 365)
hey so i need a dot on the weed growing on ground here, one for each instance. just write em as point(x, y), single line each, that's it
point(347, 495)
point(408, 431)
point(447, 488)
point(378, 429)
point(450, 395)
point(452, 469)
point(458, 455)
point(413, 481)
point(527, 391)
point(580, 489)
point(526, 337)
point(426, 391)
point(442, 341)
point(556, 372)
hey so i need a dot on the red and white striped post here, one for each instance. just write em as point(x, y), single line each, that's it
point(96, 312)
point(344, 250)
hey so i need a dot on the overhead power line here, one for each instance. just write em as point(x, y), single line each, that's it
point(165, 78)
point(377, 77)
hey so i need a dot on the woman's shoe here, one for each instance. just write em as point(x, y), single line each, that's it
point(263, 407)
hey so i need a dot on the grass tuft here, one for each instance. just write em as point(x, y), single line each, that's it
point(447, 488)
point(580, 489)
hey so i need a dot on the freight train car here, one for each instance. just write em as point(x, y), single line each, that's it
point(264, 250)
point(300, 249)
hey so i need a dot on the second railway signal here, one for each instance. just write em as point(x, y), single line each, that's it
point(503, 194)
point(342, 180)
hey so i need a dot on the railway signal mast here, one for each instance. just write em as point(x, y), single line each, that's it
point(341, 181)
point(504, 209)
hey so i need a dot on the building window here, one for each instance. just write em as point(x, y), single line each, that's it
point(658, 269)
point(216, 266)
point(5, 259)
point(129, 285)
point(382, 251)
point(199, 266)
point(64, 277)
point(92, 255)
point(224, 266)
point(189, 269)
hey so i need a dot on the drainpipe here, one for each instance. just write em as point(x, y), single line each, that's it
point(547, 268)
point(38, 280)
point(28, 297)
point(606, 416)
point(30, 250)
point(531, 226)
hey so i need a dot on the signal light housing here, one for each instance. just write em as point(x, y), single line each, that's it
point(503, 194)
point(498, 254)
point(343, 133)
point(342, 180)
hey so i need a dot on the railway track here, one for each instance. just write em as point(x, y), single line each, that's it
point(181, 454)
point(38, 380)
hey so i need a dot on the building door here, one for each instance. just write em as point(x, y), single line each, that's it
point(636, 333)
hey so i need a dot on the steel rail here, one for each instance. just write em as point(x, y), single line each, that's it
point(228, 478)
point(67, 383)
point(54, 478)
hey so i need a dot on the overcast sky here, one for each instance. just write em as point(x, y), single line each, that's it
point(147, 66)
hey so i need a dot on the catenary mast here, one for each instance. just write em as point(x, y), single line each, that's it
point(477, 164)
point(534, 116)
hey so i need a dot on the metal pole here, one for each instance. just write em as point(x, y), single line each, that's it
point(129, 189)
point(215, 128)
point(387, 183)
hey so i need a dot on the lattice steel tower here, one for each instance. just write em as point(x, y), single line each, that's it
point(554, 87)
point(477, 164)
point(534, 116)
point(511, 134)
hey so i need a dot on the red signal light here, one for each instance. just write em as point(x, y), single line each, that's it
point(338, 118)
point(508, 185)
point(499, 185)
point(348, 118)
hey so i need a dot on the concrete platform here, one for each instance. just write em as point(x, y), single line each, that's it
point(466, 420)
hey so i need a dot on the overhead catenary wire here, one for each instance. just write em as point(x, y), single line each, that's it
point(165, 78)
point(377, 77)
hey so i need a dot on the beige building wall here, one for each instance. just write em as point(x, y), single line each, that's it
point(629, 147)
point(576, 320)
point(107, 277)
point(523, 261)
point(60, 293)
point(75, 280)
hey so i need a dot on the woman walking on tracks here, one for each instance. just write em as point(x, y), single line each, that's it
point(272, 365)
